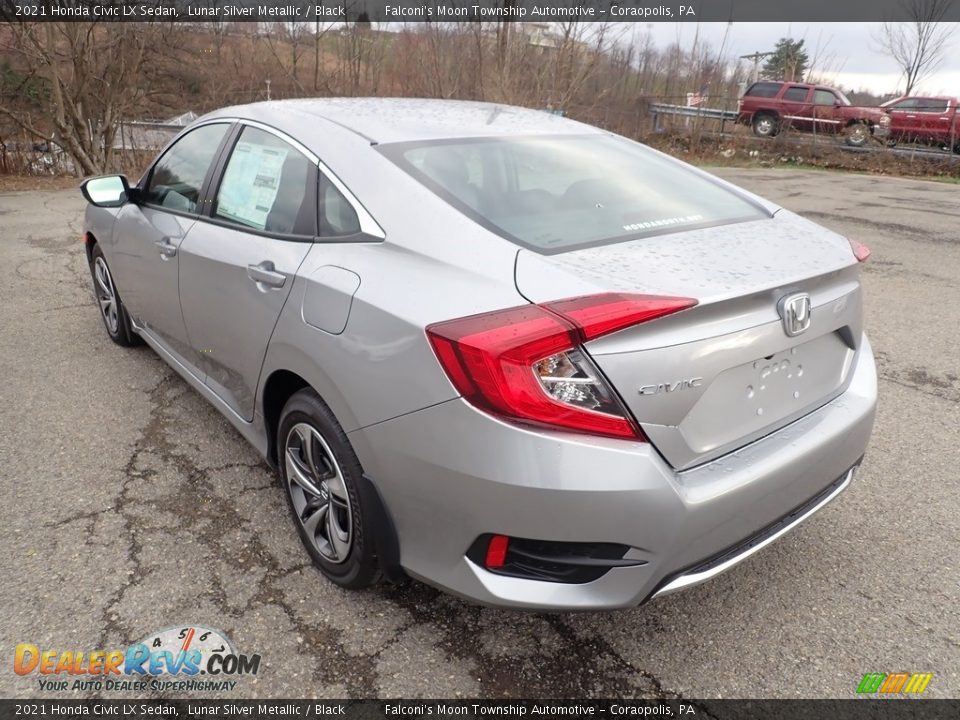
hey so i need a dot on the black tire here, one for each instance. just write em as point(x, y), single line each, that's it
point(765, 125)
point(358, 567)
point(122, 333)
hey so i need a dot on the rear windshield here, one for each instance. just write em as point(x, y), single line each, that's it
point(554, 194)
point(764, 89)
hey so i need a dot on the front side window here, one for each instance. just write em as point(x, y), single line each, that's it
point(177, 178)
point(824, 97)
point(554, 194)
point(268, 185)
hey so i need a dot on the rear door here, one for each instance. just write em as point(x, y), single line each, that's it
point(904, 121)
point(147, 235)
point(934, 119)
point(238, 263)
point(797, 108)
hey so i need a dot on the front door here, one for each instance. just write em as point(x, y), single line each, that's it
point(825, 112)
point(148, 236)
point(238, 263)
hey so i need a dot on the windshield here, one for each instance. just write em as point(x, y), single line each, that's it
point(554, 194)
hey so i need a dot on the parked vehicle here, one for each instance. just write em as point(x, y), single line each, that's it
point(525, 360)
point(769, 107)
point(926, 120)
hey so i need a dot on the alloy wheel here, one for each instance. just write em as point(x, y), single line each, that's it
point(318, 492)
point(106, 295)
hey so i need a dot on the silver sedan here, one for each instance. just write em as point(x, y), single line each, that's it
point(517, 357)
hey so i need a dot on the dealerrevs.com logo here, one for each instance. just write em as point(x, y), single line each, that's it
point(180, 658)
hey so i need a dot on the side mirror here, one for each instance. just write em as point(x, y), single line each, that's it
point(106, 191)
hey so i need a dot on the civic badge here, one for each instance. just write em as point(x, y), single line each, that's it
point(795, 312)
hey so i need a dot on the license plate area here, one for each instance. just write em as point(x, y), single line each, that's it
point(767, 392)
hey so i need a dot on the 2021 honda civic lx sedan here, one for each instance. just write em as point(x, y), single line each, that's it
point(520, 358)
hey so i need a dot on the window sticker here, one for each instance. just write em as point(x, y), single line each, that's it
point(250, 183)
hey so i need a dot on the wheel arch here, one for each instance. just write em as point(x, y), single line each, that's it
point(89, 240)
point(278, 388)
point(283, 379)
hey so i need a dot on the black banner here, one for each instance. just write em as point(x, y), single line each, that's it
point(854, 709)
point(465, 10)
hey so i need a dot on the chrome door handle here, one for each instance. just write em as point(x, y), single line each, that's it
point(167, 248)
point(265, 274)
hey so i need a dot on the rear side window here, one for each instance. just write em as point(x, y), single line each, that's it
point(177, 178)
point(559, 193)
point(908, 104)
point(268, 185)
point(795, 94)
point(931, 105)
point(764, 89)
point(337, 216)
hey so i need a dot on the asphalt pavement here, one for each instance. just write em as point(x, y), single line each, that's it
point(128, 504)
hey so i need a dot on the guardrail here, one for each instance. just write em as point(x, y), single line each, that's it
point(658, 109)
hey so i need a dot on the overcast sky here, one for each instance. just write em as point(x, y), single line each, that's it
point(844, 52)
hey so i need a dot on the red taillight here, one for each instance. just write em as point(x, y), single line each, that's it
point(497, 551)
point(860, 251)
point(525, 363)
point(598, 315)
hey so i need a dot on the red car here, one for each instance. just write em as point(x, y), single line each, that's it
point(769, 106)
point(927, 120)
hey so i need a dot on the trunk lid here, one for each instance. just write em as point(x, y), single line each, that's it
point(707, 381)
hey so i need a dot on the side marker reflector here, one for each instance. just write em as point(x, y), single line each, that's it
point(497, 551)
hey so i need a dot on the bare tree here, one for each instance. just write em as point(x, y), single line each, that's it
point(919, 45)
point(292, 37)
point(92, 77)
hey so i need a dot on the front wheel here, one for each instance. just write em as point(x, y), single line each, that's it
point(322, 476)
point(112, 310)
point(857, 135)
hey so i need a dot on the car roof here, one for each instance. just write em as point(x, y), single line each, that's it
point(387, 120)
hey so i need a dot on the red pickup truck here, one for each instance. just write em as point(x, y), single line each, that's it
point(928, 120)
point(769, 106)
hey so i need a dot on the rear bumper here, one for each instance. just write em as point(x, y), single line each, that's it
point(723, 561)
point(450, 473)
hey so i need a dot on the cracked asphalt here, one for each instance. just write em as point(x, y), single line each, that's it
point(128, 505)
